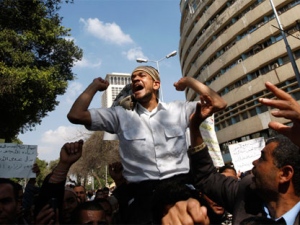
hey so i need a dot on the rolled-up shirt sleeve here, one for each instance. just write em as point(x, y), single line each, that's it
point(103, 119)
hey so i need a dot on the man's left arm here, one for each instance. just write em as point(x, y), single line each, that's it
point(188, 82)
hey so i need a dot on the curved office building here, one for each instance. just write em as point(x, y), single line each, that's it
point(235, 47)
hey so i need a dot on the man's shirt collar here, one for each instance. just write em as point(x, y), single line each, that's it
point(289, 216)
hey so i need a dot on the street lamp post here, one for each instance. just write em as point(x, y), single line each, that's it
point(288, 48)
point(141, 60)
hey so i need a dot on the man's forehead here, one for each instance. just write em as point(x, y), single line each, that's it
point(7, 189)
point(139, 72)
point(78, 188)
point(88, 216)
point(269, 148)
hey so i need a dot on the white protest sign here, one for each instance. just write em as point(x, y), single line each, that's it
point(16, 160)
point(209, 136)
point(244, 153)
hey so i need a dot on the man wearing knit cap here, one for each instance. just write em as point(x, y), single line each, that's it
point(152, 137)
point(150, 70)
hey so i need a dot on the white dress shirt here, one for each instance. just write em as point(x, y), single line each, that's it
point(152, 144)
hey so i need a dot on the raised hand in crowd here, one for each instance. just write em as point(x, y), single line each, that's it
point(53, 188)
point(288, 108)
point(204, 109)
point(186, 212)
point(115, 170)
point(69, 154)
point(100, 83)
point(46, 216)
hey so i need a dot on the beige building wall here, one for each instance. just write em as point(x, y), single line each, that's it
point(235, 47)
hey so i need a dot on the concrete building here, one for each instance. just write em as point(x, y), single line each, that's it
point(117, 82)
point(235, 47)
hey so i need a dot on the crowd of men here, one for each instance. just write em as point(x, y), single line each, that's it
point(161, 180)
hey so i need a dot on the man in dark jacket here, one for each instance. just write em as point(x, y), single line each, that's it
point(272, 191)
point(51, 197)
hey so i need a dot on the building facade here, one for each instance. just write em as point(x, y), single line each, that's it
point(234, 47)
point(117, 81)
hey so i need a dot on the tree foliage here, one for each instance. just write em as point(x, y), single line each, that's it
point(44, 171)
point(97, 154)
point(36, 59)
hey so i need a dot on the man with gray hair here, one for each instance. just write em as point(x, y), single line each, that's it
point(152, 137)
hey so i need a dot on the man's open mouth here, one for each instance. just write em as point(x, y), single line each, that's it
point(138, 88)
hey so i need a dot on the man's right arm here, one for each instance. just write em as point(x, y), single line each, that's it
point(79, 113)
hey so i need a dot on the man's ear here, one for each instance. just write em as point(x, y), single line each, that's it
point(156, 85)
point(286, 173)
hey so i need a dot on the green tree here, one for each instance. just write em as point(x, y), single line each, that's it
point(43, 165)
point(36, 59)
